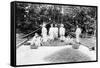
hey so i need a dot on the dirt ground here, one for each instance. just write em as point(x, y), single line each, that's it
point(57, 53)
point(45, 55)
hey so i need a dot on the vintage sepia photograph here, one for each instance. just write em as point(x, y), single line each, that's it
point(55, 33)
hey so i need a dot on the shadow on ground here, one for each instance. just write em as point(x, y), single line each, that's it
point(67, 55)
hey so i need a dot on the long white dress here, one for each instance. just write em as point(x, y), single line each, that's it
point(78, 32)
point(55, 32)
point(62, 31)
point(38, 41)
point(44, 32)
point(51, 33)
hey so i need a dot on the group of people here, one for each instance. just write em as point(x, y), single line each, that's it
point(52, 34)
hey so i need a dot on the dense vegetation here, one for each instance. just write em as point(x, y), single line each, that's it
point(29, 17)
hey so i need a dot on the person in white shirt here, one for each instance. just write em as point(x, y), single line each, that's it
point(36, 40)
point(78, 32)
point(44, 30)
point(62, 32)
point(55, 31)
point(44, 33)
point(51, 32)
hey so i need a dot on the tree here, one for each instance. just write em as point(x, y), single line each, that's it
point(29, 17)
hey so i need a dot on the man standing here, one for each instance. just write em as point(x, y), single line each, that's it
point(55, 31)
point(78, 32)
point(62, 32)
point(44, 33)
point(44, 30)
point(51, 32)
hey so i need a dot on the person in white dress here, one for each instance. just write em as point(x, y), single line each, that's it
point(68, 40)
point(62, 32)
point(36, 40)
point(44, 33)
point(44, 30)
point(78, 32)
point(51, 32)
point(55, 31)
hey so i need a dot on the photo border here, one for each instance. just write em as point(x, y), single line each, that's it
point(13, 34)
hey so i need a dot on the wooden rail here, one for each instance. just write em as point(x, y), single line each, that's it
point(20, 44)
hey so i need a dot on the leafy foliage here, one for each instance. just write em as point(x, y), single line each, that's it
point(29, 17)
